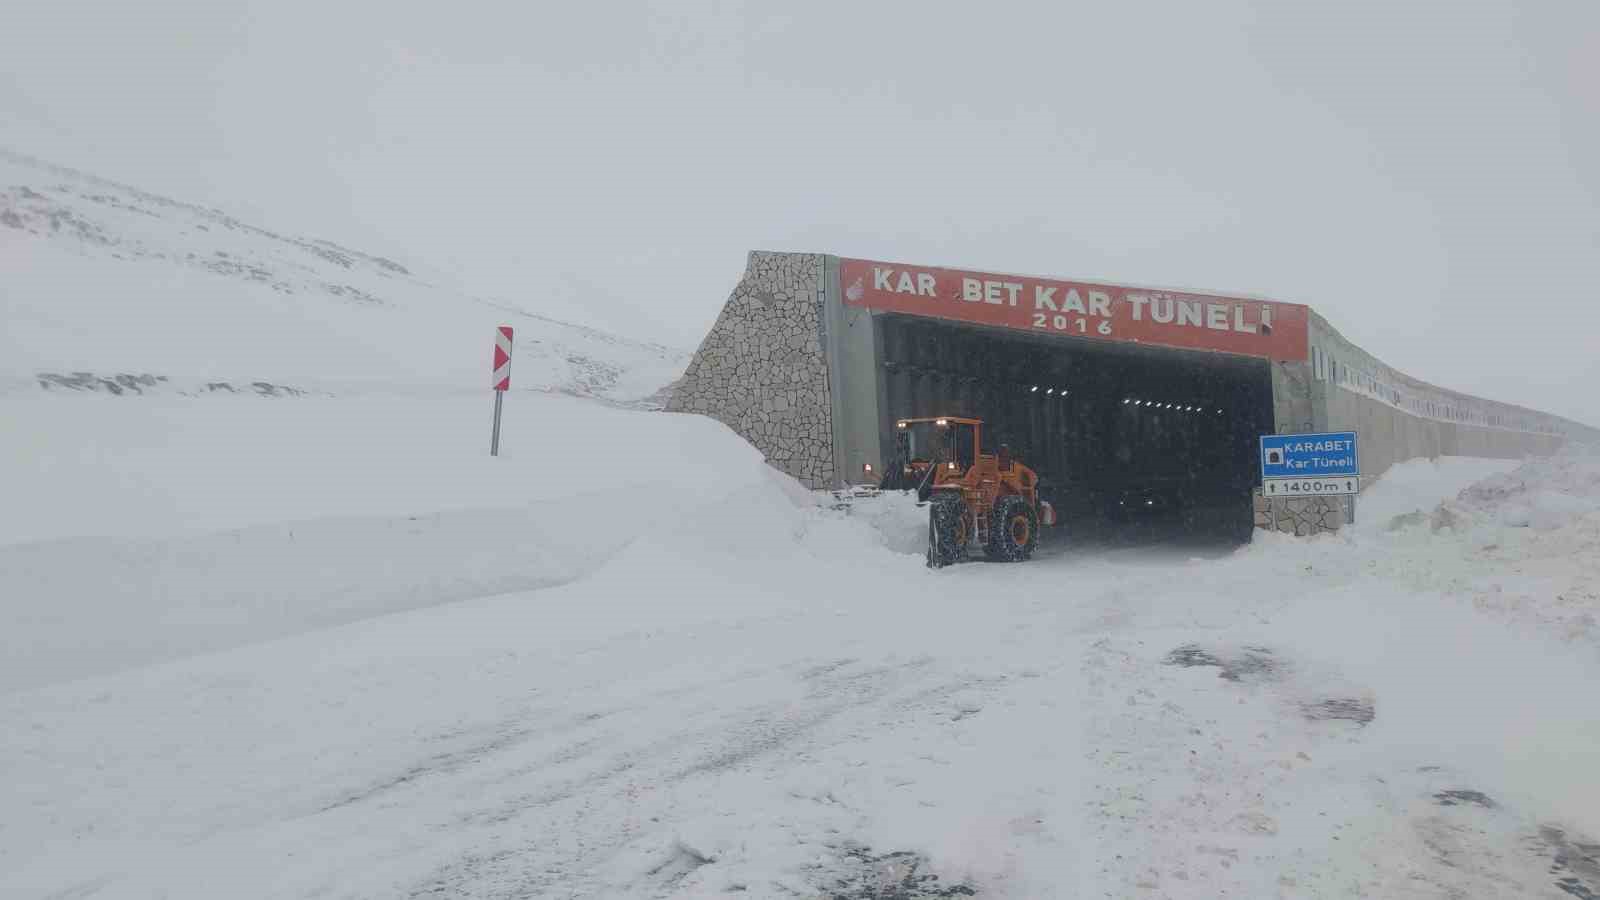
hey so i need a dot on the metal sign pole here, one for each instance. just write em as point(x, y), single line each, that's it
point(494, 440)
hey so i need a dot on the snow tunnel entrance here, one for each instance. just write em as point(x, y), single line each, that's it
point(1128, 440)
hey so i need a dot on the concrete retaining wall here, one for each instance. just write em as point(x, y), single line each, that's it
point(1401, 418)
point(1390, 436)
point(1344, 388)
point(762, 370)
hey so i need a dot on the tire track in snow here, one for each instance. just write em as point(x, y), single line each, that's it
point(648, 779)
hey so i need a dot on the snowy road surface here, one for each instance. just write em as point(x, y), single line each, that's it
point(704, 685)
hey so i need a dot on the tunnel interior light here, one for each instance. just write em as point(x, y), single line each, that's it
point(1033, 389)
point(899, 424)
point(941, 422)
point(1050, 390)
point(1126, 401)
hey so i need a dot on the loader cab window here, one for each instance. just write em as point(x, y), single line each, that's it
point(964, 448)
point(924, 442)
point(934, 443)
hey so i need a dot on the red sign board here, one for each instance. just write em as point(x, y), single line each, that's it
point(501, 377)
point(1080, 309)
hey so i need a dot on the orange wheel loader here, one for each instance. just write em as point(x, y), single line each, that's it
point(974, 497)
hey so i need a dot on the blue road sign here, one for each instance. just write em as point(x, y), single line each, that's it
point(1309, 455)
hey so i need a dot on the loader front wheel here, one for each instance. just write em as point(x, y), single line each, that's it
point(947, 530)
point(1015, 531)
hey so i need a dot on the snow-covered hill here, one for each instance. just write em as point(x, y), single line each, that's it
point(107, 288)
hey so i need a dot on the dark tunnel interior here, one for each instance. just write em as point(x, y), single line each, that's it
point(1114, 431)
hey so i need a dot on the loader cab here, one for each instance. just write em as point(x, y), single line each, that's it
point(951, 444)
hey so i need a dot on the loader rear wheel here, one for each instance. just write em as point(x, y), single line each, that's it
point(1015, 531)
point(947, 530)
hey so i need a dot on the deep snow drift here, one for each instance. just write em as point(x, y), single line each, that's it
point(326, 647)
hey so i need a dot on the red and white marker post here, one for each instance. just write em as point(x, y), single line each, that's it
point(501, 380)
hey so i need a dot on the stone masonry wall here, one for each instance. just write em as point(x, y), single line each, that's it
point(761, 371)
point(1300, 516)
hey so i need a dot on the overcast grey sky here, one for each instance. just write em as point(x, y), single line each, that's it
point(1427, 174)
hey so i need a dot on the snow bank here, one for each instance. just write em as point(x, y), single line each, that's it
point(900, 523)
point(1546, 494)
point(1505, 576)
point(138, 532)
point(80, 465)
point(143, 532)
point(1417, 485)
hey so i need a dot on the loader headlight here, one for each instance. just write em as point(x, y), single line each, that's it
point(866, 467)
point(951, 466)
